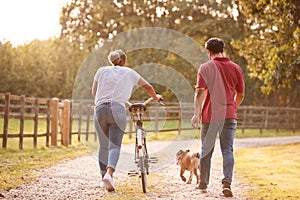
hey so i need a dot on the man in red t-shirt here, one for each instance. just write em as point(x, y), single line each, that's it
point(219, 91)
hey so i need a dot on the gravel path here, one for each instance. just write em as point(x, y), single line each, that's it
point(79, 178)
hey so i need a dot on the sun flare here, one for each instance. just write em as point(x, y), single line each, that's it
point(23, 21)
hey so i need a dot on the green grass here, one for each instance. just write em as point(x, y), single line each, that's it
point(18, 166)
point(273, 172)
point(250, 133)
point(14, 126)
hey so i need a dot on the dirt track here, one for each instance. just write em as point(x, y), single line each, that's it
point(79, 178)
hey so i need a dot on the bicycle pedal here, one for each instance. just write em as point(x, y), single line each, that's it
point(132, 173)
point(153, 160)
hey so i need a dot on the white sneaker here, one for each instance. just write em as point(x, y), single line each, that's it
point(102, 184)
point(109, 183)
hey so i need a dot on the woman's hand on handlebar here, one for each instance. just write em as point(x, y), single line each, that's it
point(159, 99)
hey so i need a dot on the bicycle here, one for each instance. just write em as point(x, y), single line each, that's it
point(141, 153)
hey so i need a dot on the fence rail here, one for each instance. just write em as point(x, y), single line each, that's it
point(64, 118)
point(261, 118)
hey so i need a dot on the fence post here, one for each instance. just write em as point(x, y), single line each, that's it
point(244, 119)
point(262, 121)
point(48, 122)
point(180, 119)
point(6, 119)
point(156, 120)
point(54, 120)
point(277, 119)
point(87, 123)
point(79, 120)
point(36, 122)
point(66, 122)
point(266, 119)
point(71, 123)
point(294, 122)
point(22, 112)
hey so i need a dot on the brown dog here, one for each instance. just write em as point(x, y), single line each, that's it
point(190, 162)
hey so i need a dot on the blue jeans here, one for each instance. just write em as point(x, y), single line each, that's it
point(110, 124)
point(226, 130)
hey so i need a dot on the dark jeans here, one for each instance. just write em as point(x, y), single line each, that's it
point(110, 124)
point(226, 130)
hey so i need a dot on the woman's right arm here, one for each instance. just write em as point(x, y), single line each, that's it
point(94, 88)
point(148, 88)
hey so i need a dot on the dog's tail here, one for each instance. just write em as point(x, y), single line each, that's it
point(197, 155)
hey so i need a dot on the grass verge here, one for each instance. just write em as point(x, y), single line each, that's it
point(272, 172)
point(18, 166)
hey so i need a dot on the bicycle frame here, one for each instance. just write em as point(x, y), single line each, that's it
point(141, 153)
point(140, 144)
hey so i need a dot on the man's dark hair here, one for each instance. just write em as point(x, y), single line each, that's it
point(215, 45)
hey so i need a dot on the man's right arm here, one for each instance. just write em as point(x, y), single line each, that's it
point(198, 100)
point(239, 97)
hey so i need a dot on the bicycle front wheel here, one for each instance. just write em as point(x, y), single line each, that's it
point(143, 173)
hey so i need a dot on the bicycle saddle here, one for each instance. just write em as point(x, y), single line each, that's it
point(137, 106)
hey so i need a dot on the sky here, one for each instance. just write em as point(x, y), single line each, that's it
point(22, 21)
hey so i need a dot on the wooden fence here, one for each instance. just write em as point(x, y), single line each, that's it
point(261, 118)
point(55, 114)
point(64, 118)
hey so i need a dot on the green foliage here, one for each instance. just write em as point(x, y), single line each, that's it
point(261, 36)
point(271, 46)
point(40, 68)
point(88, 24)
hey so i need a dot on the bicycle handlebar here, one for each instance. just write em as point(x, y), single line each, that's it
point(151, 99)
point(142, 106)
point(147, 101)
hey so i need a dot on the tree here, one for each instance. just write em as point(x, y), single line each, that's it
point(41, 68)
point(7, 65)
point(271, 46)
point(88, 23)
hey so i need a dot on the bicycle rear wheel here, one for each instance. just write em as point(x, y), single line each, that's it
point(143, 173)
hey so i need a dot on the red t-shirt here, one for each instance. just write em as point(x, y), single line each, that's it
point(222, 79)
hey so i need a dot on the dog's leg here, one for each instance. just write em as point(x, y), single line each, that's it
point(197, 176)
point(181, 174)
point(190, 178)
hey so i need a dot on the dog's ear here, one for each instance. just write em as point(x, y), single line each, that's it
point(179, 153)
point(197, 155)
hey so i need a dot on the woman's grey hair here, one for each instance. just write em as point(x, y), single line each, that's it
point(116, 57)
